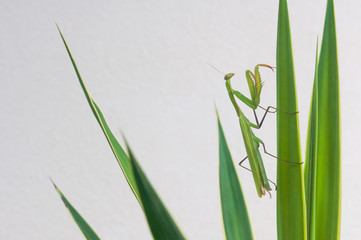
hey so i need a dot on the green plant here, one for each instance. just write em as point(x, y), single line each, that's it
point(308, 204)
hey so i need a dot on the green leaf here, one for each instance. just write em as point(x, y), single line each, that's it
point(82, 224)
point(118, 151)
point(291, 217)
point(159, 220)
point(310, 160)
point(234, 210)
point(328, 153)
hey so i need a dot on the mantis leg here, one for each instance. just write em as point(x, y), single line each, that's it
point(276, 110)
point(244, 99)
point(263, 65)
point(258, 124)
point(268, 111)
point(256, 139)
point(240, 164)
point(244, 159)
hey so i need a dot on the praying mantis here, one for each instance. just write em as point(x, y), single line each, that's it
point(252, 143)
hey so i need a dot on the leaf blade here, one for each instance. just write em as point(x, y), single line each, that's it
point(291, 218)
point(310, 159)
point(234, 210)
point(328, 170)
point(116, 148)
point(159, 219)
point(132, 171)
point(84, 227)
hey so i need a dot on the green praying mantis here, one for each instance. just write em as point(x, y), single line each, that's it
point(252, 143)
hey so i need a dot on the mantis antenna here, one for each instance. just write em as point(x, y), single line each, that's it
point(216, 69)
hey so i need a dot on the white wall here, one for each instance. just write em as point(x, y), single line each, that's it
point(145, 63)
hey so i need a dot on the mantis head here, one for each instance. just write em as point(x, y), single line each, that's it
point(228, 76)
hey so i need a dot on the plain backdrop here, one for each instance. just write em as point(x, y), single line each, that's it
point(146, 63)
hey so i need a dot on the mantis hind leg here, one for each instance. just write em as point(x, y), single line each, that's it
point(244, 159)
point(259, 141)
point(240, 164)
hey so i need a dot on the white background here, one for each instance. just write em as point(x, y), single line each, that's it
point(146, 65)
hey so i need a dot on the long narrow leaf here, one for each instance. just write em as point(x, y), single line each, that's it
point(118, 151)
point(328, 171)
point(159, 220)
point(82, 224)
point(310, 159)
point(291, 219)
point(234, 210)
